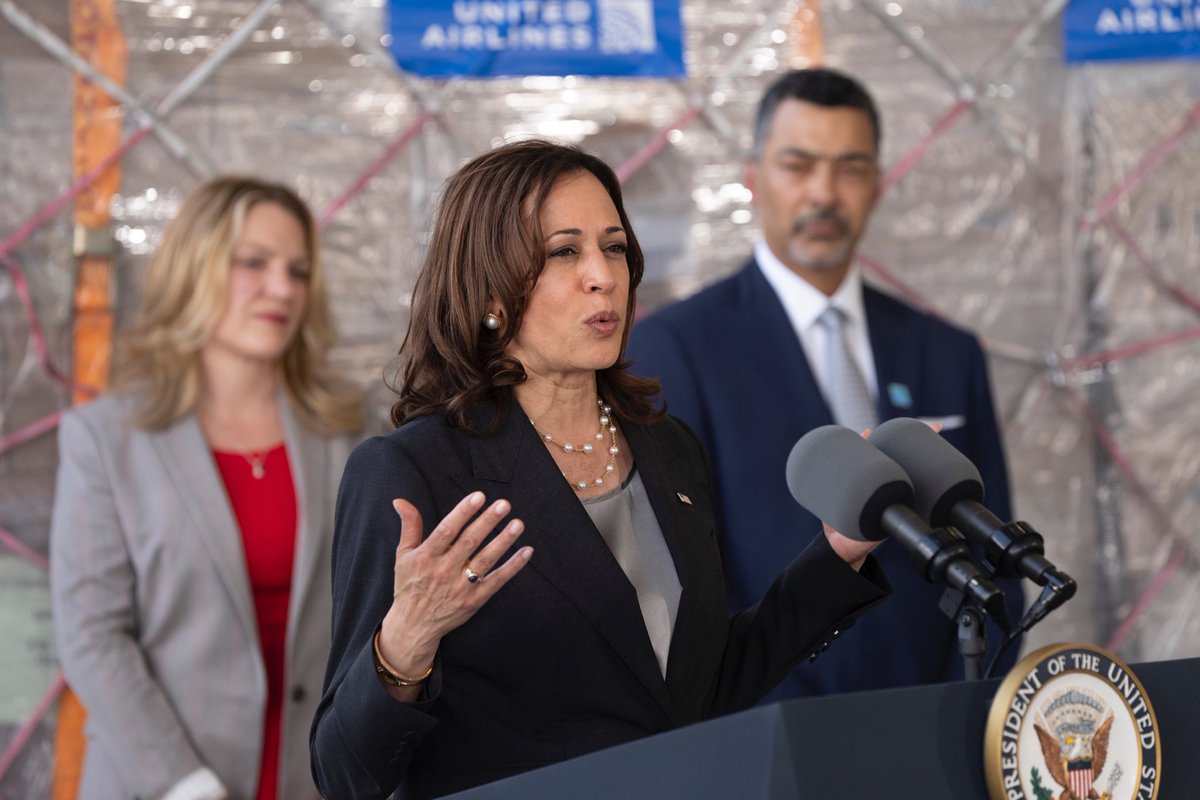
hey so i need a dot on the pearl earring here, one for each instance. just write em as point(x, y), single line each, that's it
point(491, 321)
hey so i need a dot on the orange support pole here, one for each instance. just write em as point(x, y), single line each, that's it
point(808, 35)
point(97, 37)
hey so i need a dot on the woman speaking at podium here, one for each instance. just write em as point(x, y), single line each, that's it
point(525, 570)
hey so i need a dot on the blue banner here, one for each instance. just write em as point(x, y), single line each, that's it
point(1124, 30)
point(493, 38)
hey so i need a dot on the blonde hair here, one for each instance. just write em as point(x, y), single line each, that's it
point(184, 297)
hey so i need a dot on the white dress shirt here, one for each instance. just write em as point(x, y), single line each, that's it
point(199, 784)
point(803, 303)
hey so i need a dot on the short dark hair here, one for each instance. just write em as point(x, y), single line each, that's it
point(487, 245)
point(821, 86)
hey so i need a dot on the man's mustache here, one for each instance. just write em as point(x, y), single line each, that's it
point(800, 223)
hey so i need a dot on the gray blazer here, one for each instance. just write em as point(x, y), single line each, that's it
point(153, 612)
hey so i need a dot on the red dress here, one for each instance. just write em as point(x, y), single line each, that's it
point(265, 508)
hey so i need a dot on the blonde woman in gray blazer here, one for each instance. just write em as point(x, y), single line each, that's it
point(154, 607)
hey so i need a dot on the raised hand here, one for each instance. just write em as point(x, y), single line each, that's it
point(441, 581)
point(852, 551)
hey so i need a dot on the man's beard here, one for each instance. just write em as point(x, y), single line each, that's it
point(796, 246)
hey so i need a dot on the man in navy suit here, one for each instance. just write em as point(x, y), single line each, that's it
point(746, 363)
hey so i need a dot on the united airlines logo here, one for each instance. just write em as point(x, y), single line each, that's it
point(1072, 722)
point(626, 26)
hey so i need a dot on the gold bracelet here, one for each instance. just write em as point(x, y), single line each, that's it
point(389, 674)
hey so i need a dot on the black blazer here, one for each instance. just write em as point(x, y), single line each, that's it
point(558, 663)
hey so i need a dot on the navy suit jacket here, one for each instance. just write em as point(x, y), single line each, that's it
point(732, 368)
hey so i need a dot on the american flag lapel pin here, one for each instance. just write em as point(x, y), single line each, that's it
point(683, 498)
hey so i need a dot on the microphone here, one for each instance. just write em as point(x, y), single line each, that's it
point(949, 491)
point(841, 478)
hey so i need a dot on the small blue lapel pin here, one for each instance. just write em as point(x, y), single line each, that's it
point(899, 395)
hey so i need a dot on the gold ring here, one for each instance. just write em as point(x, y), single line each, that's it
point(471, 574)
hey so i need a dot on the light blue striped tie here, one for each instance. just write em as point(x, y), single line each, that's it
point(845, 388)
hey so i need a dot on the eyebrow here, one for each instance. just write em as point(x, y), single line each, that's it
point(853, 155)
point(263, 248)
point(579, 232)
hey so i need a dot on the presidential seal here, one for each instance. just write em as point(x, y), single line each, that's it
point(1072, 722)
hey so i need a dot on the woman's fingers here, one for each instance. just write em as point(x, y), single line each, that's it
point(450, 549)
point(471, 537)
point(493, 581)
point(483, 561)
point(411, 526)
point(444, 535)
point(441, 582)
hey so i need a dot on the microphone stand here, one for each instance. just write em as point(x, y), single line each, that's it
point(943, 555)
point(1058, 589)
point(972, 641)
point(1015, 549)
point(972, 632)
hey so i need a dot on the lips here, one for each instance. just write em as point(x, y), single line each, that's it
point(603, 322)
point(278, 319)
point(820, 225)
point(825, 229)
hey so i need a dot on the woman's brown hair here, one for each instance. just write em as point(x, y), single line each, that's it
point(487, 245)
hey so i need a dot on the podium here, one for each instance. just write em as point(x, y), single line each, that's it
point(924, 742)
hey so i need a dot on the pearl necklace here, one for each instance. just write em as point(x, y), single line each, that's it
point(587, 448)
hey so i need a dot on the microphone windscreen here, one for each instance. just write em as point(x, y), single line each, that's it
point(941, 476)
point(836, 475)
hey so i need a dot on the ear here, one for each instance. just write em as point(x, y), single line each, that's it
point(750, 175)
point(876, 190)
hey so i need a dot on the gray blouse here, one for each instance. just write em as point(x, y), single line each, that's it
point(626, 520)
